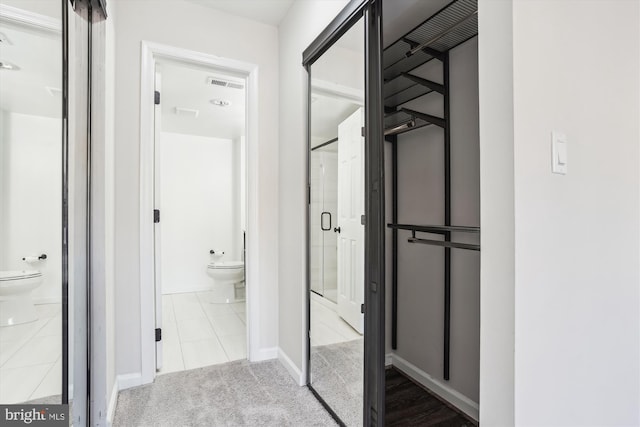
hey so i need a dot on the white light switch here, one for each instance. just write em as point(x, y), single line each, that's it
point(558, 153)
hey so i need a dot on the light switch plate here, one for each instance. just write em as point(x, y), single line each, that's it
point(559, 153)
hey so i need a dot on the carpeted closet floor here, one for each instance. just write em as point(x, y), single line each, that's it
point(232, 394)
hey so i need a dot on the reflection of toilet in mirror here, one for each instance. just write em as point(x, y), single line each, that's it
point(228, 279)
point(16, 305)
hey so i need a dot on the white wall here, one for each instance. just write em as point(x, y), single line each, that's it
point(199, 210)
point(43, 7)
point(30, 176)
point(304, 21)
point(190, 26)
point(577, 351)
point(497, 264)
point(110, 311)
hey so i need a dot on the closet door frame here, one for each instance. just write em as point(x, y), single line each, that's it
point(374, 275)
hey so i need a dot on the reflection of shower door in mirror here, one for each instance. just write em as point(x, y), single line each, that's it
point(349, 225)
point(324, 203)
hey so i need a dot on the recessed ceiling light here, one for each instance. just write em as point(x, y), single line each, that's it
point(220, 102)
point(8, 66)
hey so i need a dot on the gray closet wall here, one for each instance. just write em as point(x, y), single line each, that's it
point(421, 201)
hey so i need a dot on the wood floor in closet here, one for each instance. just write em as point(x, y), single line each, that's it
point(408, 404)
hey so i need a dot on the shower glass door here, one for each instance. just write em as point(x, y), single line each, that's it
point(324, 208)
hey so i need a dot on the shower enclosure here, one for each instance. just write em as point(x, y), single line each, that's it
point(324, 210)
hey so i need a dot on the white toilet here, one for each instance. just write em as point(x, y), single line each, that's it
point(228, 279)
point(16, 306)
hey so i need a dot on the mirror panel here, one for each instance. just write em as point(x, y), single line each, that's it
point(336, 252)
point(31, 187)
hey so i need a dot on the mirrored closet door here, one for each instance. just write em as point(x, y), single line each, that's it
point(340, 145)
point(32, 148)
point(44, 202)
point(336, 231)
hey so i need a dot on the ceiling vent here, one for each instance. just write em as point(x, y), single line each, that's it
point(213, 81)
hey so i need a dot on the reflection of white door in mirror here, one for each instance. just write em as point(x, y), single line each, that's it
point(349, 227)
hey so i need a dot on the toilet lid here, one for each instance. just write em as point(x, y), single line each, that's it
point(18, 274)
point(226, 264)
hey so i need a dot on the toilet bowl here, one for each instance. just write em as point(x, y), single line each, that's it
point(16, 306)
point(228, 281)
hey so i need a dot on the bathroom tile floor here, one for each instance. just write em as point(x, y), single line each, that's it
point(197, 333)
point(327, 327)
point(31, 357)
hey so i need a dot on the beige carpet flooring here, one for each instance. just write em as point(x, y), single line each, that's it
point(232, 394)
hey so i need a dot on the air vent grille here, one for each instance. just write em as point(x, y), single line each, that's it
point(224, 83)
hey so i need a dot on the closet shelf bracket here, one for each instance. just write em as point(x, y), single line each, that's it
point(424, 82)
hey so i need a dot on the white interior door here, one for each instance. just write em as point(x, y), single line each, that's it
point(349, 227)
point(156, 226)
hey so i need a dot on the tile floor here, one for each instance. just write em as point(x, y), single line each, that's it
point(197, 333)
point(31, 357)
point(327, 327)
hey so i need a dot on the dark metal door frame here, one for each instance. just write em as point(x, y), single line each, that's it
point(374, 313)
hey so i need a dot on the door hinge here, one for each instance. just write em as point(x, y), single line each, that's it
point(158, 334)
point(362, 131)
point(362, 308)
point(363, 220)
point(156, 216)
point(156, 97)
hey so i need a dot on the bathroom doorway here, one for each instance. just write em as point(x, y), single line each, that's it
point(199, 215)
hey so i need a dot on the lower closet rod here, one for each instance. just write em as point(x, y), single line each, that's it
point(440, 243)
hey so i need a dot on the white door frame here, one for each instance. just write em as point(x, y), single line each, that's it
point(149, 52)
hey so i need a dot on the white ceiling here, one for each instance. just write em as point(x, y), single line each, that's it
point(269, 12)
point(39, 56)
point(185, 86)
point(327, 113)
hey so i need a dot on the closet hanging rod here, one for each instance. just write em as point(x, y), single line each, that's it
point(444, 244)
point(441, 34)
point(438, 121)
point(400, 127)
point(438, 229)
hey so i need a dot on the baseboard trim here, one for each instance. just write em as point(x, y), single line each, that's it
point(47, 300)
point(187, 290)
point(388, 361)
point(113, 402)
point(291, 367)
point(126, 381)
point(452, 396)
point(265, 354)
